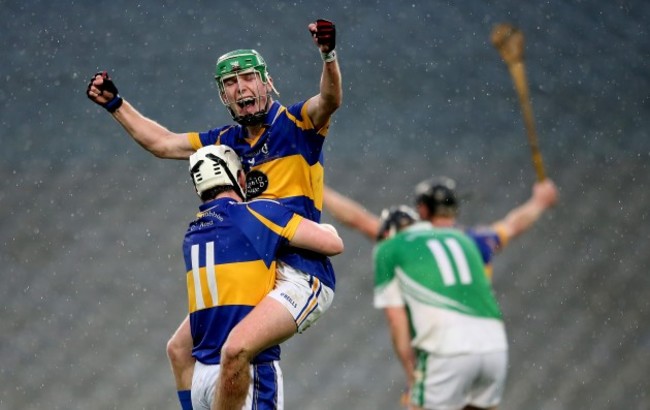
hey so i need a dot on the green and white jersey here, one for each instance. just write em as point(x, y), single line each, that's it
point(438, 274)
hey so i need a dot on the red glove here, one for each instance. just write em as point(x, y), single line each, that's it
point(325, 35)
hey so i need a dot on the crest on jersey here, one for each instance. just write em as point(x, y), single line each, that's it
point(256, 183)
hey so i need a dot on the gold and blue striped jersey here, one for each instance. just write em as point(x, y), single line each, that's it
point(489, 241)
point(230, 251)
point(284, 163)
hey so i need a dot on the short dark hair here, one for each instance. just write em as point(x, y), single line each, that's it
point(214, 192)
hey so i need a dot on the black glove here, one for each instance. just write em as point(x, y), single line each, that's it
point(109, 86)
point(325, 34)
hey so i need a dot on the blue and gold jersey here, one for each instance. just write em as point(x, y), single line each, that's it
point(284, 163)
point(230, 251)
point(488, 241)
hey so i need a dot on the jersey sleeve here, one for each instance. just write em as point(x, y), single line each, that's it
point(387, 291)
point(275, 217)
point(504, 238)
point(202, 139)
point(488, 240)
point(267, 225)
point(195, 140)
point(300, 110)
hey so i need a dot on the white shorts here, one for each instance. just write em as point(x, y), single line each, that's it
point(302, 294)
point(453, 382)
point(266, 391)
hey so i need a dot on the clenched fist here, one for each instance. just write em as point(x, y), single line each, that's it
point(102, 90)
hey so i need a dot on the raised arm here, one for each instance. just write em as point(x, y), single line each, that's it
point(521, 218)
point(149, 134)
point(321, 238)
point(351, 213)
point(321, 107)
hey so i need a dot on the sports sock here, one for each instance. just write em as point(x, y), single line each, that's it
point(185, 397)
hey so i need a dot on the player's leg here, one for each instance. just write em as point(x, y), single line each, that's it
point(442, 382)
point(179, 352)
point(295, 303)
point(203, 382)
point(303, 295)
point(270, 323)
point(266, 392)
point(488, 387)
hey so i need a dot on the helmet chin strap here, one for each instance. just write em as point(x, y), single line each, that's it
point(252, 119)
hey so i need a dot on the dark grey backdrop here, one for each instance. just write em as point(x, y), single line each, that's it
point(92, 282)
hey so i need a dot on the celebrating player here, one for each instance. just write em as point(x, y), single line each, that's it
point(230, 251)
point(281, 150)
point(435, 277)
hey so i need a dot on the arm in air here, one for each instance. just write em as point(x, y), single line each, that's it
point(522, 218)
point(351, 213)
point(321, 106)
point(152, 136)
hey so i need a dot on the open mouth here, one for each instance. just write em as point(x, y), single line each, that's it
point(246, 102)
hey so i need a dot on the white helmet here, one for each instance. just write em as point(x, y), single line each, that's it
point(213, 166)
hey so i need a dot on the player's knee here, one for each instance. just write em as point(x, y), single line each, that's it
point(235, 353)
point(177, 351)
point(172, 350)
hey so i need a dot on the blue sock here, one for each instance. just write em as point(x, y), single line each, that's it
point(185, 397)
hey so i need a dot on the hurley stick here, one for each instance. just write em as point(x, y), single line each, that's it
point(509, 41)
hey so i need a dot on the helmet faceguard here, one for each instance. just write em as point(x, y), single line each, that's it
point(394, 219)
point(215, 166)
point(438, 195)
point(232, 68)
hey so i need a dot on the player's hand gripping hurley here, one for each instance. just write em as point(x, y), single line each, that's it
point(509, 41)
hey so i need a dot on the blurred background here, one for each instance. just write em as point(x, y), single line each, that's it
point(91, 277)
